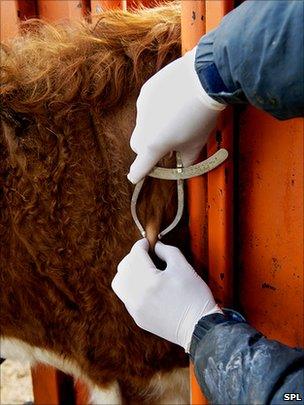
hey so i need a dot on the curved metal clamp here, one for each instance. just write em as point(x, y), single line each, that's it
point(179, 174)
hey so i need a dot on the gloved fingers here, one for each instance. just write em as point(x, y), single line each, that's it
point(123, 265)
point(139, 258)
point(141, 244)
point(167, 253)
point(131, 278)
point(142, 165)
point(137, 254)
point(118, 283)
point(124, 286)
point(135, 139)
point(135, 272)
point(140, 135)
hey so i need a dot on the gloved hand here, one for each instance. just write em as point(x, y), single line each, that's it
point(167, 303)
point(174, 113)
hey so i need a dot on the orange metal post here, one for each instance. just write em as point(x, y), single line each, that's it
point(193, 27)
point(52, 386)
point(199, 17)
point(81, 393)
point(45, 385)
point(220, 189)
point(58, 10)
point(8, 19)
point(271, 225)
point(220, 215)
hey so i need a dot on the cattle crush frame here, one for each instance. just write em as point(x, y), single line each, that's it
point(254, 201)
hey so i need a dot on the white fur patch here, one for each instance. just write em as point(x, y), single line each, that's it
point(164, 388)
point(15, 349)
point(110, 396)
point(170, 388)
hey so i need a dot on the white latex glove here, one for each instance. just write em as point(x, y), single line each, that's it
point(167, 303)
point(174, 113)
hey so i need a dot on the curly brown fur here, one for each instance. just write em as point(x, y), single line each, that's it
point(100, 64)
point(64, 202)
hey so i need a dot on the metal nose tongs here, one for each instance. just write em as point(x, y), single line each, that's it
point(179, 174)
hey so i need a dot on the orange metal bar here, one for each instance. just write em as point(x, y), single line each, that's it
point(220, 214)
point(220, 189)
point(8, 19)
point(52, 386)
point(199, 17)
point(81, 393)
point(271, 225)
point(58, 10)
point(45, 385)
point(193, 27)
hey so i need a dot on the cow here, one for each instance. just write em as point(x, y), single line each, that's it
point(68, 107)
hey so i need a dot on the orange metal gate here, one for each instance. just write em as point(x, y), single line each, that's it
point(251, 208)
point(254, 209)
point(211, 198)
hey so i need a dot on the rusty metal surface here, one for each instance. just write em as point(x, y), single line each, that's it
point(270, 245)
point(220, 214)
point(221, 189)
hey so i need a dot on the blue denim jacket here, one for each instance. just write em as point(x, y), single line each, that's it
point(256, 55)
point(236, 364)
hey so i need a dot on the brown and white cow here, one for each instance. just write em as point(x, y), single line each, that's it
point(68, 97)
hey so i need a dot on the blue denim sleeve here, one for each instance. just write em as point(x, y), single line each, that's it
point(256, 55)
point(235, 364)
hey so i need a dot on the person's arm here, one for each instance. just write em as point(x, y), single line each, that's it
point(236, 364)
point(256, 55)
point(233, 362)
